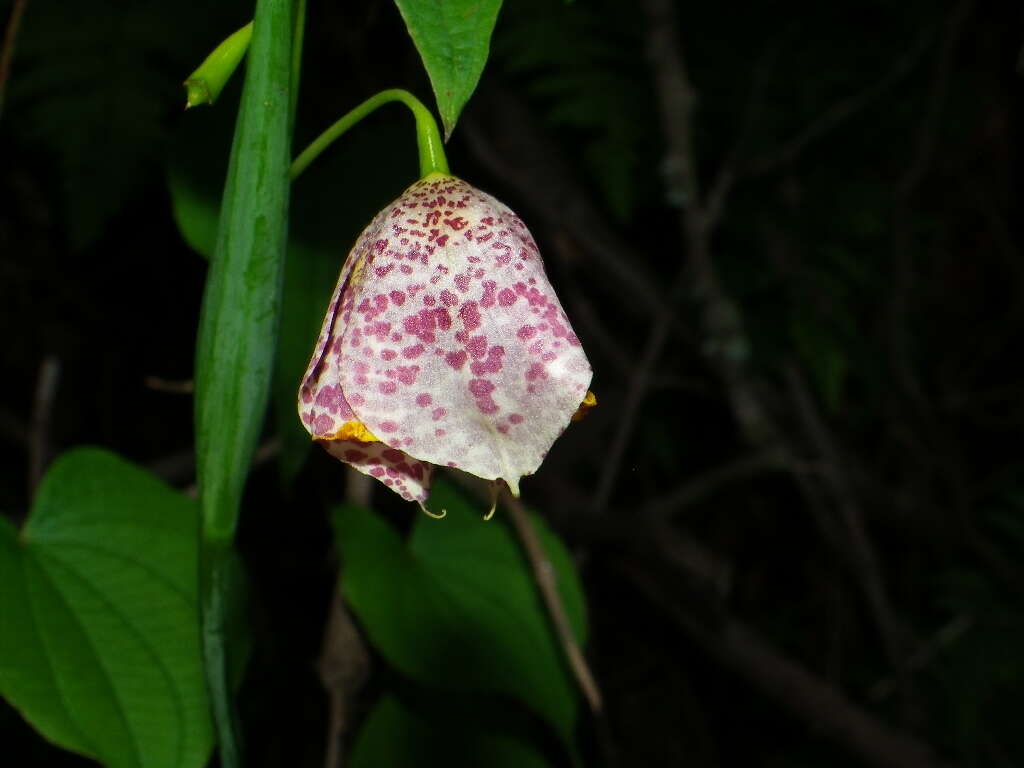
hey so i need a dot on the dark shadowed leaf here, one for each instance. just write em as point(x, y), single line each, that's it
point(456, 606)
point(439, 732)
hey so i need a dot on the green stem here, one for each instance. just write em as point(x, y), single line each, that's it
point(298, 37)
point(432, 158)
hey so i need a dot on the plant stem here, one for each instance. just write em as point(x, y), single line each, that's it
point(431, 148)
point(238, 330)
point(298, 36)
point(7, 51)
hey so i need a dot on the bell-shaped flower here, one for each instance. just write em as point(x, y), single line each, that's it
point(444, 344)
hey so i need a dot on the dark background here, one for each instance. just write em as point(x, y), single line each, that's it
point(789, 238)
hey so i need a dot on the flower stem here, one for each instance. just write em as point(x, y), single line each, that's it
point(432, 157)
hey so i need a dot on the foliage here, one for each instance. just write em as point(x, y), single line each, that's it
point(457, 607)
point(98, 647)
point(453, 39)
point(869, 242)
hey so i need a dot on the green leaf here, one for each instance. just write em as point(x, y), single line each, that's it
point(453, 38)
point(456, 606)
point(238, 329)
point(195, 212)
point(99, 648)
point(442, 732)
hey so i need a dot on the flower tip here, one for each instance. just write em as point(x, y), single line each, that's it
point(428, 513)
point(196, 93)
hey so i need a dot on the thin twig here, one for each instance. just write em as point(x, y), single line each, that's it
point(840, 112)
point(7, 53)
point(170, 386)
point(344, 662)
point(726, 344)
point(344, 666)
point(39, 431)
point(868, 568)
point(696, 488)
point(787, 683)
point(946, 636)
point(547, 584)
point(628, 412)
point(901, 259)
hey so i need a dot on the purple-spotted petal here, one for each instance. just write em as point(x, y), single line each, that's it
point(443, 344)
point(404, 475)
point(454, 339)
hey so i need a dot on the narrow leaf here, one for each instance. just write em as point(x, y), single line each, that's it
point(238, 328)
point(453, 38)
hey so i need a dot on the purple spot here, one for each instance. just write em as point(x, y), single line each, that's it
point(477, 346)
point(423, 399)
point(407, 375)
point(444, 320)
point(456, 359)
point(480, 387)
point(486, 404)
point(470, 315)
point(506, 298)
point(487, 300)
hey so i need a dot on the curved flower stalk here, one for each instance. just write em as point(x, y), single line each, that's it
point(444, 344)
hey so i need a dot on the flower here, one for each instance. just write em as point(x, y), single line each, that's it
point(444, 344)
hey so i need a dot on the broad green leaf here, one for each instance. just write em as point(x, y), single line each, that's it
point(99, 643)
point(441, 732)
point(238, 329)
point(453, 38)
point(456, 606)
